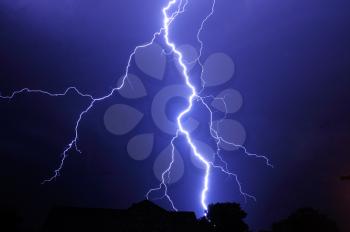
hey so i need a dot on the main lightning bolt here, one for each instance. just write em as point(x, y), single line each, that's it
point(181, 130)
point(190, 101)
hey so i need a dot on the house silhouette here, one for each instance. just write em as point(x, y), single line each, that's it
point(142, 216)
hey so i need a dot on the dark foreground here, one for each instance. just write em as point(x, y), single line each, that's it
point(147, 216)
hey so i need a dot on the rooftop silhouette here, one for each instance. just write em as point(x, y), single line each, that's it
point(142, 216)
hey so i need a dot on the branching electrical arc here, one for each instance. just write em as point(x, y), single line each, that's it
point(170, 12)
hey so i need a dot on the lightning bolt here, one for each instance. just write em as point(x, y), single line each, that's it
point(195, 95)
point(190, 102)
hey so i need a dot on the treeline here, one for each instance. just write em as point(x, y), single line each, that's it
point(146, 216)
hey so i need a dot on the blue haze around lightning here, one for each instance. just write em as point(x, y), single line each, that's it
point(170, 12)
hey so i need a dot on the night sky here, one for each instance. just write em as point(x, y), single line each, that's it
point(292, 67)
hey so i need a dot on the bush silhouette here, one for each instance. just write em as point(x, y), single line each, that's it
point(305, 220)
point(227, 217)
point(9, 220)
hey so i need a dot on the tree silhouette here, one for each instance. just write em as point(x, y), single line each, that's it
point(305, 220)
point(204, 225)
point(227, 217)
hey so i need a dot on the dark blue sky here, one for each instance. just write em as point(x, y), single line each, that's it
point(292, 61)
